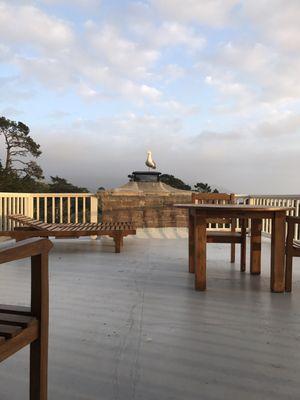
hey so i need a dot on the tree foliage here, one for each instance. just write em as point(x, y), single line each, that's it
point(61, 185)
point(19, 146)
point(204, 188)
point(10, 181)
point(174, 182)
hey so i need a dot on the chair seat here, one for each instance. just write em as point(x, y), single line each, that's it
point(16, 331)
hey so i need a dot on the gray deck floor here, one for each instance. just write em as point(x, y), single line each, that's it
point(130, 326)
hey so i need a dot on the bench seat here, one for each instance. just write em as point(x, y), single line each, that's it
point(35, 228)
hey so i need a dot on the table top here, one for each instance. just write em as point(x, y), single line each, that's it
point(234, 207)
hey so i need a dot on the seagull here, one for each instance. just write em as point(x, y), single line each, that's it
point(149, 162)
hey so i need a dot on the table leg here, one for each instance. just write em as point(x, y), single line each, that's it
point(200, 252)
point(278, 251)
point(255, 252)
point(191, 243)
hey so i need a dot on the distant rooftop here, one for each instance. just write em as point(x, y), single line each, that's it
point(147, 182)
point(145, 176)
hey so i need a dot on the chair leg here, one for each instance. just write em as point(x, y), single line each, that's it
point(289, 256)
point(232, 253)
point(243, 245)
point(39, 308)
point(288, 272)
point(38, 370)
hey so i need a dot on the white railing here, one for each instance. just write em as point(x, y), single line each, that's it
point(274, 200)
point(83, 207)
point(49, 207)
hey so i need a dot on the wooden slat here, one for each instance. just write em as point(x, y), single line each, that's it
point(9, 331)
point(69, 230)
point(224, 234)
point(12, 309)
point(16, 320)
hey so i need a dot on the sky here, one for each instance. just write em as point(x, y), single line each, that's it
point(211, 87)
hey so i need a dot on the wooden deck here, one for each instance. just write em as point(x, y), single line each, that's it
point(130, 326)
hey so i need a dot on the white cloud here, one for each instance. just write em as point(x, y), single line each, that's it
point(121, 53)
point(180, 109)
point(139, 92)
point(173, 34)
point(253, 76)
point(33, 27)
point(232, 95)
point(173, 72)
point(278, 20)
point(78, 3)
point(73, 3)
point(252, 58)
point(206, 12)
point(101, 63)
point(285, 125)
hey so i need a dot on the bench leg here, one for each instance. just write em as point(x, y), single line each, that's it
point(118, 239)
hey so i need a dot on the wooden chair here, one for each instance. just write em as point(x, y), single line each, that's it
point(230, 236)
point(22, 326)
point(292, 249)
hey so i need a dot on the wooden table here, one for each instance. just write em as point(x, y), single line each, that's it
point(198, 215)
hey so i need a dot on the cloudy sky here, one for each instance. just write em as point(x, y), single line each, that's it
point(212, 87)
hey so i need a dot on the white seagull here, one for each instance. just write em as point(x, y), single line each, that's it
point(149, 162)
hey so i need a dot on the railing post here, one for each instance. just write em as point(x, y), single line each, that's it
point(94, 209)
point(29, 206)
point(1, 214)
point(251, 201)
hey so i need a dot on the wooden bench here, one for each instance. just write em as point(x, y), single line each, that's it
point(22, 326)
point(292, 249)
point(34, 228)
point(229, 236)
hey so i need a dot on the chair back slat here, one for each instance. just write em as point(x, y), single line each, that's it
point(214, 198)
